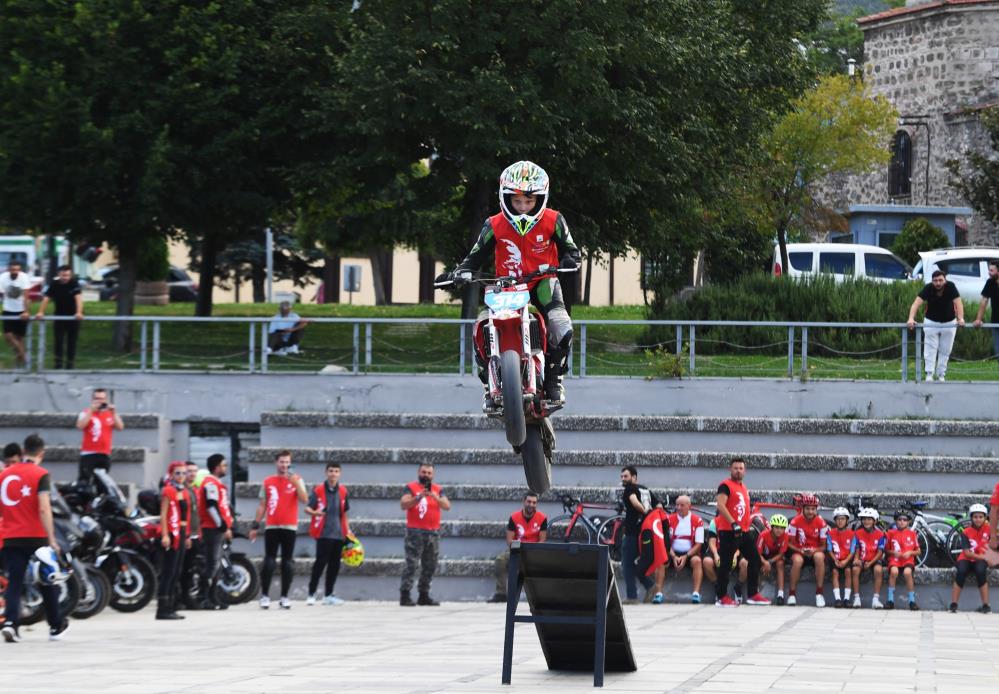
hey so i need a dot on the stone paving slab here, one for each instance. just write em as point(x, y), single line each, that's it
point(380, 647)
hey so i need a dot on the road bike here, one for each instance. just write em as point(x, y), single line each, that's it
point(577, 525)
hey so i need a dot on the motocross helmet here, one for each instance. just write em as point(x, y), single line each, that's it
point(149, 501)
point(48, 570)
point(523, 178)
point(353, 551)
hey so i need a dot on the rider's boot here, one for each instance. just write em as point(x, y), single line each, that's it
point(556, 364)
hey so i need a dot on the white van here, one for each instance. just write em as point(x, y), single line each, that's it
point(966, 267)
point(841, 260)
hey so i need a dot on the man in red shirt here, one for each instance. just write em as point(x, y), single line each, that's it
point(422, 500)
point(903, 546)
point(526, 525)
point(27, 526)
point(97, 423)
point(215, 514)
point(807, 543)
point(733, 525)
point(280, 495)
point(686, 539)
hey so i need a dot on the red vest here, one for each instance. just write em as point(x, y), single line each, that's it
point(97, 434)
point(695, 524)
point(282, 501)
point(518, 255)
point(19, 501)
point(172, 520)
point(737, 504)
point(528, 530)
point(426, 515)
point(978, 539)
point(221, 494)
point(316, 526)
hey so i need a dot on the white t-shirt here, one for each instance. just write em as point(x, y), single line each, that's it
point(15, 291)
point(681, 543)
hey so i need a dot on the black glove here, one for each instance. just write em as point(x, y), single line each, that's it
point(567, 263)
point(737, 530)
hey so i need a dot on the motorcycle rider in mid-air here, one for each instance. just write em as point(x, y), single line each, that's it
point(525, 235)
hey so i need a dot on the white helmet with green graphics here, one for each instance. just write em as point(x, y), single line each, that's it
point(523, 178)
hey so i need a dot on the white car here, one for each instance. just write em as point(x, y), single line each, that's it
point(967, 268)
point(842, 260)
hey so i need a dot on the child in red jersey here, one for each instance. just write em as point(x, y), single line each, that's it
point(976, 541)
point(807, 544)
point(903, 546)
point(841, 548)
point(869, 540)
point(772, 546)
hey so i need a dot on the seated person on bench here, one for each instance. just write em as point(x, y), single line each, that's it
point(285, 331)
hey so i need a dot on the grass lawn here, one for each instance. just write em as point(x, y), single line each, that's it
point(423, 347)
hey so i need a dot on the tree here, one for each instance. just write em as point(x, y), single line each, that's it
point(836, 127)
point(918, 235)
point(977, 180)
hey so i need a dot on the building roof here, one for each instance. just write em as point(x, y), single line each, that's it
point(909, 209)
point(918, 9)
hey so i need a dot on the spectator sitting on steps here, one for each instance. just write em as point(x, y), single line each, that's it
point(526, 525)
point(285, 331)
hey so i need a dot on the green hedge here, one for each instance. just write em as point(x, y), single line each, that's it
point(762, 297)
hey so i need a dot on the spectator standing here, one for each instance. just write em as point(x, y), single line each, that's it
point(733, 524)
point(12, 454)
point(944, 313)
point(423, 501)
point(14, 285)
point(215, 514)
point(98, 423)
point(328, 505)
point(175, 519)
point(65, 294)
point(807, 542)
point(903, 546)
point(187, 576)
point(279, 497)
point(870, 552)
point(990, 294)
point(285, 331)
point(841, 546)
point(638, 500)
point(976, 541)
point(686, 531)
point(526, 525)
point(26, 526)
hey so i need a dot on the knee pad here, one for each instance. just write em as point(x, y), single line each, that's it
point(558, 355)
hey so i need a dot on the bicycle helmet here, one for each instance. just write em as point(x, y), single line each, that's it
point(48, 569)
point(902, 513)
point(523, 178)
point(808, 499)
point(978, 508)
point(353, 551)
point(840, 511)
point(869, 513)
point(778, 520)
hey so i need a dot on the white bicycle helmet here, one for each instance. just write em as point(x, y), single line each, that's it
point(48, 570)
point(978, 508)
point(841, 511)
point(523, 178)
point(869, 513)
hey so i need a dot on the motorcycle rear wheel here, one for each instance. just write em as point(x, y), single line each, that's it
point(96, 594)
point(240, 583)
point(513, 398)
point(537, 465)
point(135, 589)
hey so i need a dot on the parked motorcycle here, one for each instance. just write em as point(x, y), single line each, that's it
point(513, 341)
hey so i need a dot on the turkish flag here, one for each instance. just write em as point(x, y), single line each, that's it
point(653, 541)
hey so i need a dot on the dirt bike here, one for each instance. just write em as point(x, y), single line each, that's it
point(512, 341)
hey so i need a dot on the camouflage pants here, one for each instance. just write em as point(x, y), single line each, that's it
point(422, 548)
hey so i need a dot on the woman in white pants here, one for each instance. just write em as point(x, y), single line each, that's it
point(944, 313)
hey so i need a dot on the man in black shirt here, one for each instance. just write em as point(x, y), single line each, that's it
point(944, 313)
point(638, 500)
point(65, 292)
point(990, 293)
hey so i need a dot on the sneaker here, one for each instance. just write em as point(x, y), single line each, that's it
point(856, 602)
point(657, 599)
point(791, 601)
point(913, 606)
point(890, 605)
point(757, 599)
point(929, 378)
point(311, 600)
point(941, 379)
point(779, 600)
point(820, 601)
point(285, 603)
point(876, 603)
point(427, 601)
point(55, 633)
point(333, 600)
point(695, 598)
point(953, 607)
point(985, 609)
point(726, 601)
point(265, 602)
point(738, 598)
point(837, 604)
point(293, 349)
point(11, 633)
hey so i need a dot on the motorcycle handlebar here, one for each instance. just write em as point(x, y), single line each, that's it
point(467, 277)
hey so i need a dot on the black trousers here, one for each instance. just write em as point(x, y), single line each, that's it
point(170, 563)
point(15, 562)
point(211, 543)
point(275, 539)
point(328, 559)
point(187, 568)
point(89, 463)
point(66, 333)
point(980, 569)
point(728, 544)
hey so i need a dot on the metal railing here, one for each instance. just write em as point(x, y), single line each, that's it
point(350, 344)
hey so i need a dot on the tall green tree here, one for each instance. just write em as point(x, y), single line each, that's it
point(977, 178)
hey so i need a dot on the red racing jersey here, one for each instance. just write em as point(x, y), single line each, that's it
point(839, 543)
point(98, 432)
point(902, 541)
point(808, 534)
point(771, 547)
point(869, 543)
point(978, 540)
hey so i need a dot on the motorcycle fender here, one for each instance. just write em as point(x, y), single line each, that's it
point(510, 334)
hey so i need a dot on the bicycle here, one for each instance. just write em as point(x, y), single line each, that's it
point(574, 525)
point(933, 531)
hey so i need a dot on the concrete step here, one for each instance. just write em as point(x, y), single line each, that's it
point(59, 428)
point(897, 473)
point(128, 464)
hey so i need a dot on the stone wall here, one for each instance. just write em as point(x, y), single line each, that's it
point(942, 62)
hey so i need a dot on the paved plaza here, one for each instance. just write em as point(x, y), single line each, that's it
point(380, 647)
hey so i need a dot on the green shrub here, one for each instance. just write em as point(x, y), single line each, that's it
point(918, 235)
point(153, 260)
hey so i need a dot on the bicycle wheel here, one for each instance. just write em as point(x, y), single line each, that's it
point(610, 533)
point(938, 531)
point(955, 541)
point(925, 543)
point(562, 529)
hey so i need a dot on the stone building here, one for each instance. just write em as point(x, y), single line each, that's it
point(938, 63)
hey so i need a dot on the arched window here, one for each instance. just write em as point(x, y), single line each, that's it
point(900, 168)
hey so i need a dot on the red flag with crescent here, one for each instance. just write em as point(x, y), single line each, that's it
point(654, 549)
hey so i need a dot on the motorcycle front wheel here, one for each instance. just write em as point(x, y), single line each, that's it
point(513, 398)
point(96, 594)
point(537, 465)
point(239, 582)
point(133, 584)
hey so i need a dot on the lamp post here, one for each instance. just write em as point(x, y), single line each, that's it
point(916, 121)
